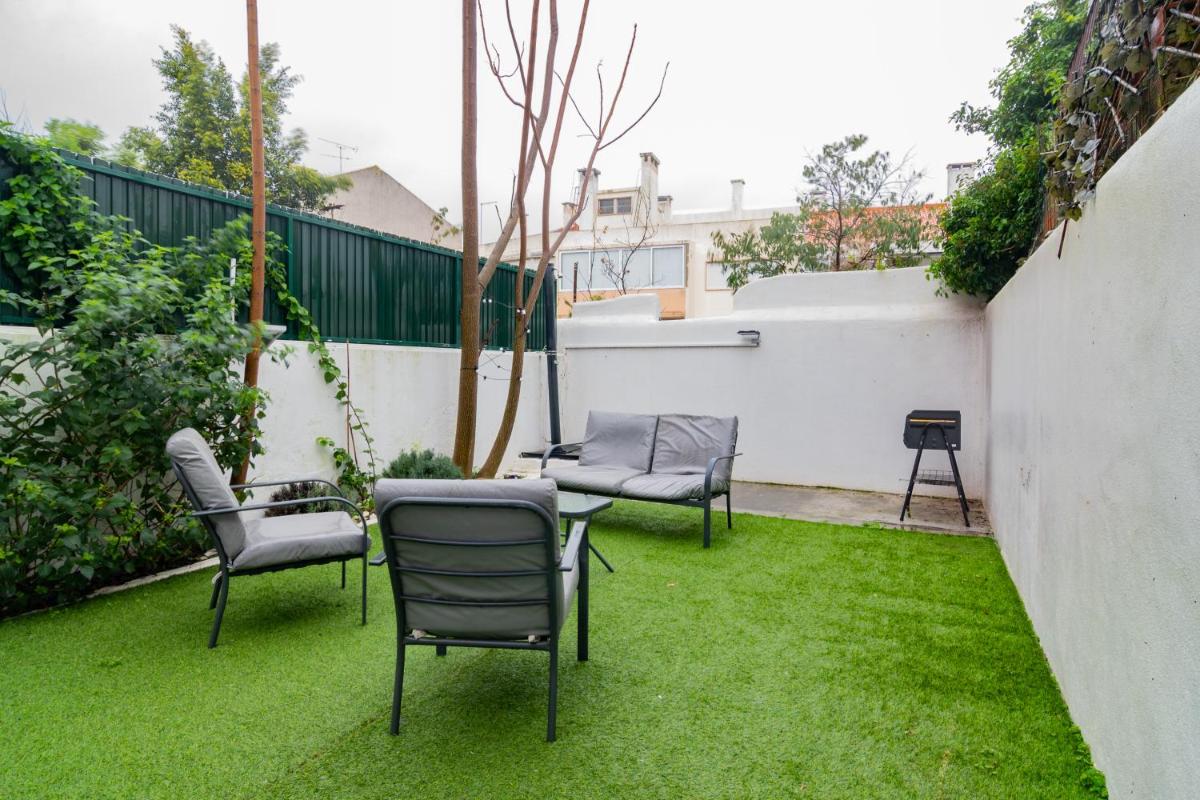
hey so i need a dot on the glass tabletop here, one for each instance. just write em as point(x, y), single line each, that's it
point(572, 505)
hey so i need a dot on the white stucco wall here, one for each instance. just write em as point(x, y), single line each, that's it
point(1093, 482)
point(822, 400)
point(409, 397)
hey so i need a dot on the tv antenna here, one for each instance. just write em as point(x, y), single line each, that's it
point(341, 156)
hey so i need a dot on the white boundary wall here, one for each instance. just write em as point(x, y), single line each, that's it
point(408, 395)
point(1094, 470)
point(822, 400)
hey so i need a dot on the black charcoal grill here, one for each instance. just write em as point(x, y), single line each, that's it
point(941, 430)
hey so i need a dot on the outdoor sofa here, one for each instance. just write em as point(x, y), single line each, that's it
point(679, 459)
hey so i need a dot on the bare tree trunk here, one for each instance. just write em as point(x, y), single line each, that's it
point(600, 141)
point(258, 224)
point(468, 377)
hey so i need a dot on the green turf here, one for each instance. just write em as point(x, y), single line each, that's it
point(789, 660)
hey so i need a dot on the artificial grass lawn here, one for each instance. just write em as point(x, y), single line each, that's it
point(789, 660)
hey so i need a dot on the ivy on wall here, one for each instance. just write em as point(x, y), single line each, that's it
point(1144, 54)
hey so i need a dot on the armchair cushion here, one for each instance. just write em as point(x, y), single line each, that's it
point(601, 480)
point(684, 444)
point(618, 440)
point(299, 537)
point(657, 486)
point(192, 456)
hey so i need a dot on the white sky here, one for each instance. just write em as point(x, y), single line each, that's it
point(753, 85)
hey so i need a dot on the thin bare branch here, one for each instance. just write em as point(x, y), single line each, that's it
point(642, 116)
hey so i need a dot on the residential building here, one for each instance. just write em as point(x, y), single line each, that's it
point(378, 201)
point(631, 240)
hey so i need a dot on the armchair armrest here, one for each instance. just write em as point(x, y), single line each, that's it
point(575, 540)
point(561, 446)
point(257, 484)
point(300, 501)
point(712, 465)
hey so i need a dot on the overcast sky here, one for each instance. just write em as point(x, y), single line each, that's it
point(753, 84)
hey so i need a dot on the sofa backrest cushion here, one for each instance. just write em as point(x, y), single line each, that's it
point(618, 440)
point(684, 444)
point(192, 456)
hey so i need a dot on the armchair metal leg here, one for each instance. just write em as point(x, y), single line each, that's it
point(364, 588)
point(223, 594)
point(440, 649)
point(707, 521)
point(581, 613)
point(728, 511)
point(212, 602)
point(398, 688)
point(343, 574)
point(552, 713)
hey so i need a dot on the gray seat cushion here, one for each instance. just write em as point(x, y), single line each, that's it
point(623, 441)
point(684, 444)
point(531, 537)
point(600, 480)
point(657, 486)
point(191, 455)
point(300, 537)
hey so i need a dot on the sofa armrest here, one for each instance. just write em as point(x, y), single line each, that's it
point(712, 465)
point(546, 456)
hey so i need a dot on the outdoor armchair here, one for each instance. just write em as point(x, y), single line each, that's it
point(252, 546)
point(479, 564)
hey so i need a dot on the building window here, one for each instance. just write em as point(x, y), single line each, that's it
point(615, 205)
point(648, 267)
point(715, 277)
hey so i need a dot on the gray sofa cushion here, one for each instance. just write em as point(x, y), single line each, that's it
point(476, 523)
point(192, 455)
point(657, 486)
point(684, 444)
point(300, 537)
point(618, 440)
point(600, 480)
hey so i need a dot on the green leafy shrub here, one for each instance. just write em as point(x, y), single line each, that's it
point(298, 491)
point(991, 225)
point(132, 342)
point(422, 464)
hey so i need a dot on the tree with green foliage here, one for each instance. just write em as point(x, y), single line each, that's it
point(202, 132)
point(981, 250)
point(79, 137)
point(858, 212)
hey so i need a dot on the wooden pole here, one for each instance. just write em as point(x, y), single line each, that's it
point(258, 225)
point(468, 386)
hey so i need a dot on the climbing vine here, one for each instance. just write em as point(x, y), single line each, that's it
point(1143, 55)
point(351, 477)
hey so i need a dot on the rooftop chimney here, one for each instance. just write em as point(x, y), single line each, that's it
point(648, 190)
point(588, 218)
point(959, 175)
point(739, 189)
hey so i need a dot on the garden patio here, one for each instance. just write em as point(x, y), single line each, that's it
point(791, 659)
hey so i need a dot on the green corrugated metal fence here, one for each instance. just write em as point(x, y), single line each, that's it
point(357, 283)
